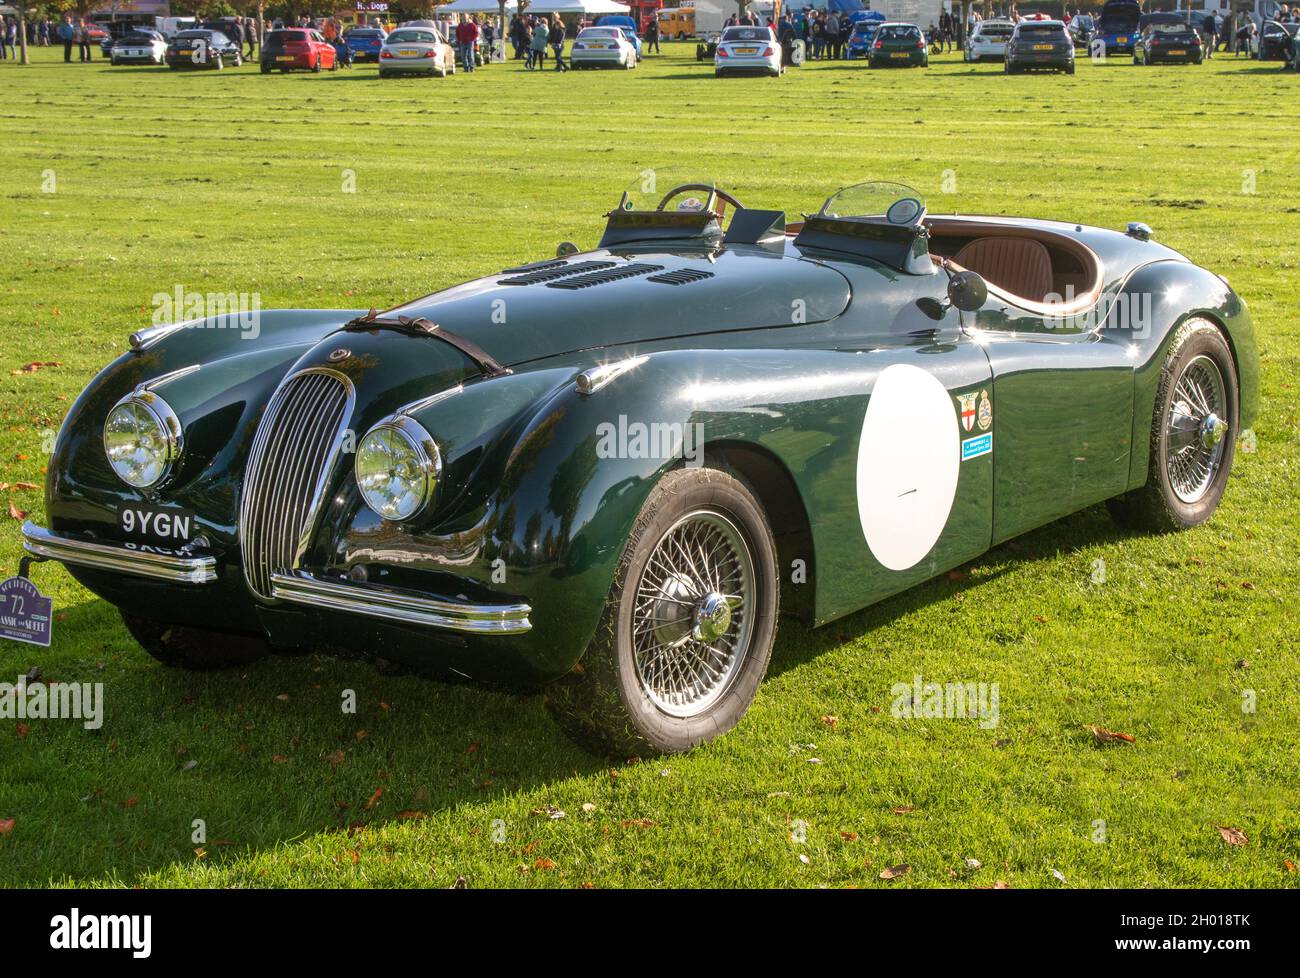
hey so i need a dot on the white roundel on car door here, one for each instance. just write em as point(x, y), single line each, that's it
point(908, 461)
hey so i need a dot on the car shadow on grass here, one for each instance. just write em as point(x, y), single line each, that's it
point(284, 749)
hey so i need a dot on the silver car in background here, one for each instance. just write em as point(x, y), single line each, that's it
point(416, 50)
point(988, 42)
point(748, 50)
point(602, 47)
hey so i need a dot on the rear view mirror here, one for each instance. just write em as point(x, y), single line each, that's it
point(967, 291)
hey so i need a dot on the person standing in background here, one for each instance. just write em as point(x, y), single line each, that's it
point(652, 37)
point(66, 33)
point(555, 37)
point(236, 34)
point(83, 40)
point(467, 39)
point(541, 37)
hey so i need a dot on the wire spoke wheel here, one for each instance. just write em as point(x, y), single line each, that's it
point(692, 623)
point(1196, 426)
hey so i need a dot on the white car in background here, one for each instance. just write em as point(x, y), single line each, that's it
point(988, 42)
point(748, 49)
point(602, 47)
point(139, 47)
point(416, 50)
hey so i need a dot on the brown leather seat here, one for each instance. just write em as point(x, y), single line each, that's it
point(1021, 266)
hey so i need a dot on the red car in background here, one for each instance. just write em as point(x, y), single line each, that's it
point(297, 48)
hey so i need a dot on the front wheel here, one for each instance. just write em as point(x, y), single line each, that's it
point(196, 649)
point(316, 65)
point(688, 626)
point(1193, 434)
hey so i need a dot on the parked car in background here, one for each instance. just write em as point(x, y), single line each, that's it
point(365, 43)
point(602, 47)
point(297, 49)
point(200, 48)
point(748, 51)
point(898, 45)
point(988, 42)
point(1168, 42)
point(139, 47)
point(1291, 54)
point(416, 50)
point(1273, 41)
point(1041, 45)
point(1118, 24)
point(1082, 29)
point(861, 38)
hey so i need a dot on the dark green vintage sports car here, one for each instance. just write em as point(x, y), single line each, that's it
point(606, 473)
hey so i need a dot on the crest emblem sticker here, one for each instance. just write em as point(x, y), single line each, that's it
point(985, 412)
point(967, 404)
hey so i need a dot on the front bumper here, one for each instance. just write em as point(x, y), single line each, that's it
point(398, 605)
point(177, 568)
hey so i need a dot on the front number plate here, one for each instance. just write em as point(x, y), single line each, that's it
point(156, 524)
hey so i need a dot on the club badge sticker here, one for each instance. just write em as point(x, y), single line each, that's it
point(25, 613)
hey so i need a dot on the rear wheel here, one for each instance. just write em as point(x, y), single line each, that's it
point(688, 626)
point(1193, 434)
point(198, 649)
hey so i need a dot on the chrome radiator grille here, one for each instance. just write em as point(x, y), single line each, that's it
point(293, 452)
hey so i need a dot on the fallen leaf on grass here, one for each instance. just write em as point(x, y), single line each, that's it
point(15, 512)
point(972, 863)
point(7, 825)
point(36, 365)
point(23, 730)
point(803, 858)
point(374, 799)
point(893, 872)
point(831, 721)
point(904, 809)
point(1104, 736)
point(543, 864)
point(638, 823)
point(26, 485)
point(1059, 875)
point(1290, 866)
point(1234, 837)
point(849, 836)
point(335, 759)
point(588, 807)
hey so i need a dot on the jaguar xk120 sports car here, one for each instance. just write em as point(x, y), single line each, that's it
point(607, 472)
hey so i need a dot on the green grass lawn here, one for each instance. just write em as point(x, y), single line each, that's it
point(234, 182)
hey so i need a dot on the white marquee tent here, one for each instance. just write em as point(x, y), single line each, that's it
point(585, 7)
point(475, 7)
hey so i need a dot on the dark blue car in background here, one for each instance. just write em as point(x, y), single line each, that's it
point(1117, 27)
point(365, 42)
point(864, 32)
point(629, 28)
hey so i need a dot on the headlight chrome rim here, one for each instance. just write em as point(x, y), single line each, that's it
point(169, 426)
point(428, 462)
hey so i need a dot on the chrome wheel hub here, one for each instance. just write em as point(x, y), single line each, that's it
point(1195, 430)
point(692, 621)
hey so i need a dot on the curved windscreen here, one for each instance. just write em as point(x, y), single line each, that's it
point(883, 201)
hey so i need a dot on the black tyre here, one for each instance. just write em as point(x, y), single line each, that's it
point(1193, 434)
point(266, 68)
point(196, 649)
point(683, 641)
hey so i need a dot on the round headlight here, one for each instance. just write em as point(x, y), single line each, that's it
point(397, 468)
point(142, 438)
